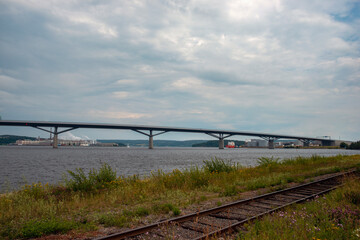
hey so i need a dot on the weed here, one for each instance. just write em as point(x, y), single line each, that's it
point(37, 228)
point(202, 198)
point(99, 198)
point(327, 217)
point(141, 211)
point(163, 208)
point(176, 211)
point(91, 181)
point(216, 165)
point(230, 190)
point(112, 220)
point(267, 161)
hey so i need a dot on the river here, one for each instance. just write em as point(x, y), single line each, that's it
point(21, 165)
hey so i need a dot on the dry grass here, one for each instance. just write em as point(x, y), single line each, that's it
point(129, 201)
point(334, 216)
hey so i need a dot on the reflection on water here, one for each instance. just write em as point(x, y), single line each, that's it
point(25, 164)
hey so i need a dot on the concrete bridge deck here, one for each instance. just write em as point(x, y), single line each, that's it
point(152, 131)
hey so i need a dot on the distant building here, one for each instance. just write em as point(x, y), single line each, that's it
point(38, 142)
point(288, 143)
point(62, 142)
point(256, 143)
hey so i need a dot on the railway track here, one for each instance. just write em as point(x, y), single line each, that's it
point(213, 222)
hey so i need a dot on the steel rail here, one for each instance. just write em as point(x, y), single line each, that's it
point(300, 198)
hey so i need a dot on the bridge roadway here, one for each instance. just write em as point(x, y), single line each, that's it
point(152, 131)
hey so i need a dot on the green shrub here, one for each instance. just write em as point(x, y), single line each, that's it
point(112, 220)
point(198, 178)
point(36, 190)
point(163, 208)
point(141, 211)
point(176, 211)
point(216, 165)
point(37, 228)
point(230, 191)
point(93, 180)
point(266, 161)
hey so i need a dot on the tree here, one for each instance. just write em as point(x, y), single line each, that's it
point(344, 145)
point(355, 145)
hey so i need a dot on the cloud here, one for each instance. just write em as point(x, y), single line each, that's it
point(9, 83)
point(117, 115)
point(279, 66)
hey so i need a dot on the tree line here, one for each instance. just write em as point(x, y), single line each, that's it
point(353, 145)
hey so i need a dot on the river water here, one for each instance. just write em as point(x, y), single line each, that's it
point(21, 165)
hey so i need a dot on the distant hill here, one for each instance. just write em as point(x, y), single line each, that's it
point(157, 143)
point(215, 143)
point(9, 139)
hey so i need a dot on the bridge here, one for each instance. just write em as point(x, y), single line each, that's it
point(152, 131)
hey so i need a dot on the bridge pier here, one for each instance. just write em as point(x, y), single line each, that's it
point(221, 138)
point(328, 143)
point(55, 138)
point(271, 141)
point(271, 144)
point(151, 140)
point(221, 143)
point(150, 135)
point(306, 142)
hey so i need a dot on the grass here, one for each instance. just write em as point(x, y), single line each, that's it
point(90, 201)
point(95, 179)
point(334, 216)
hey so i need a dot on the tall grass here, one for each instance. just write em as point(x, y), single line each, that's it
point(95, 179)
point(334, 216)
point(99, 198)
point(216, 165)
point(266, 161)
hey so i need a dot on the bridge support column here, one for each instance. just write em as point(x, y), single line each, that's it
point(55, 139)
point(271, 141)
point(271, 144)
point(151, 140)
point(221, 143)
point(328, 143)
point(306, 142)
point(150, 135)
point(221, 138)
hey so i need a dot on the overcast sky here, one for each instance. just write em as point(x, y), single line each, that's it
point(290, 67)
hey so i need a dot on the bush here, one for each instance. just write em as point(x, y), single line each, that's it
point(344, 145)
point(218, 165)
point(267, 161)
point(93, 180)
point(230, 191)
point(112, 220)
point(37, 228)
point(163, 208)
point(198, 178)
point(141, 211)
point(176, 211)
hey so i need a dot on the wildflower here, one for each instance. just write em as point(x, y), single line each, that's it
point(316, 228)
point(357, 232)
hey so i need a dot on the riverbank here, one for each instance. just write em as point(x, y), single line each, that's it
point(100, 202)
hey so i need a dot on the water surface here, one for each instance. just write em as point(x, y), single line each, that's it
point(27, 164)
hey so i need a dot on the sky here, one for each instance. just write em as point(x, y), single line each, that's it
point(286, 67)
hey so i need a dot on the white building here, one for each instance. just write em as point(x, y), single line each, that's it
point(256, 143)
